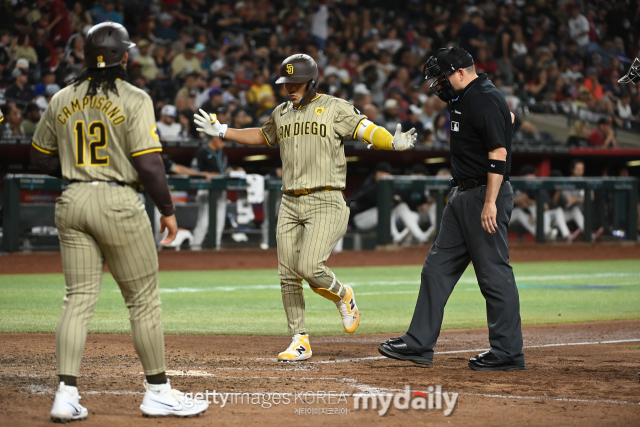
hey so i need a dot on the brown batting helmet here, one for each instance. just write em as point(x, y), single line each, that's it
point(300, 68)
point(106, 45)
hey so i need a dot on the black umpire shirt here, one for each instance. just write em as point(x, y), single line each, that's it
point(480, 120)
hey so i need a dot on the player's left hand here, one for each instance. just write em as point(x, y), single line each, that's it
point(207, 123)
point(488, 218)
point(170, 224)
point(403, 141)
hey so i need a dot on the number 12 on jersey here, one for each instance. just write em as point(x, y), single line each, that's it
point(98, 131)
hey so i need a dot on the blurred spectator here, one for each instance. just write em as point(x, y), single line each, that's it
point(320, 24)
point(214, 101)
point(429, 113)
point(12, 124)
point(372, 113)
point(483, 63)
point(624, 111)
point(186, 96)
point(572, 201)
point(260, 96)
point(240, 119)
point(390, 114)
point(212, 159)
point(472, 34)
point(413, 121)
point(525, 210)
point(603, 136)
point(59, 28)
point(168, 129)
point(32, 117)
point(20, 91)
point(79, 17)
point(186, 62)
point(147, 61)
point(592, 84)
point(106, 13)
point(579, 134)
point(23, 49)
point(441, 128)
point(75, 55)
point(579, 28)
point(166, 31)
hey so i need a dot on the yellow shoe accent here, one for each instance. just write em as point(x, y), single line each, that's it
point(326, 293)
point(300, 349)
point(349, 310)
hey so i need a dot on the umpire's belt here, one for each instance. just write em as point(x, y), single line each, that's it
point(309, 191)
point(468, 184)
point(111, 183)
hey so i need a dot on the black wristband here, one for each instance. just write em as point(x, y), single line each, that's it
point(497, 166)
point(168, 211)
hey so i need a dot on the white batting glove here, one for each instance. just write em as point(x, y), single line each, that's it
point(403, 141)
point(209, 124)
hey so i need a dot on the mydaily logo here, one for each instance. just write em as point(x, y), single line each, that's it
point(405, 400)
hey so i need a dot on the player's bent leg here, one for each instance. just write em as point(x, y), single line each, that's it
point(299, 349)
point(326, 217)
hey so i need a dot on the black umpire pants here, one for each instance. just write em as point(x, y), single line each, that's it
point(462, 239)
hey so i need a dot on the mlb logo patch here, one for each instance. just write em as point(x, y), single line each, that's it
point(455, 126)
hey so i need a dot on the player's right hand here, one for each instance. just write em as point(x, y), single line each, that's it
point(168, 223)
point(209, 124)
point(403, 141)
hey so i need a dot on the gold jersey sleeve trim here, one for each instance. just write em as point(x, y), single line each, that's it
point(151, 150)
point(266, 139)
point(42, 149)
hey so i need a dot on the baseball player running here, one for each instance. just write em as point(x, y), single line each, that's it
point(310, 129)
point(100, 135)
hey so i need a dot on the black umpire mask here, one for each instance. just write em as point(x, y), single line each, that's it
point(445, 62)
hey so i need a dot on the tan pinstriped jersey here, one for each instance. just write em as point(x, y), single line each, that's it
point(310, 140)
point(97, 136)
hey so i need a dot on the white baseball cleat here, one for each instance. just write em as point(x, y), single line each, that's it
point(349, 310)
point(66, 406)
point(161, 400)
point(300, 349)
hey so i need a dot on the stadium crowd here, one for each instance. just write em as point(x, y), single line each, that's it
point(224, 56)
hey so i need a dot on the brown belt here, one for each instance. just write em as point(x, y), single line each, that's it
point(308, 191)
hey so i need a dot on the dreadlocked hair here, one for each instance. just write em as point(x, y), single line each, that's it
point(101, 79)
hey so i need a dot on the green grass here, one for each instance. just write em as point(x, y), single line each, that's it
point(248, 302)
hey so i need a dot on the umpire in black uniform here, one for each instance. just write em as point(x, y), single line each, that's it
point(474, 222)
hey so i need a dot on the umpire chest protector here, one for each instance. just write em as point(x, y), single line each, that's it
point(479, 120)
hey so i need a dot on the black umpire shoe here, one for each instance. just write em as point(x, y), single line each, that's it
point(488, 361)
point(395, 348)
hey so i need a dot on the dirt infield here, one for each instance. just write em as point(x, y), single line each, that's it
point(578, 374)
point(237, 259)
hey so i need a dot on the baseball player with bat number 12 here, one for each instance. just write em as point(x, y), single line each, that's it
point(310, 129)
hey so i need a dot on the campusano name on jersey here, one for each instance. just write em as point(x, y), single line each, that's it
point(99, 103)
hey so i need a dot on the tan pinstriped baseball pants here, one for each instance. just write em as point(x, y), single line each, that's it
point(309, 226)
point(98, 223)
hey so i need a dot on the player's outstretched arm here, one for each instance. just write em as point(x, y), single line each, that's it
point(378, 137)
point(209, 124)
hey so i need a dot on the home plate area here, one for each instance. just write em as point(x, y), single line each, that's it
point(578, 374)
